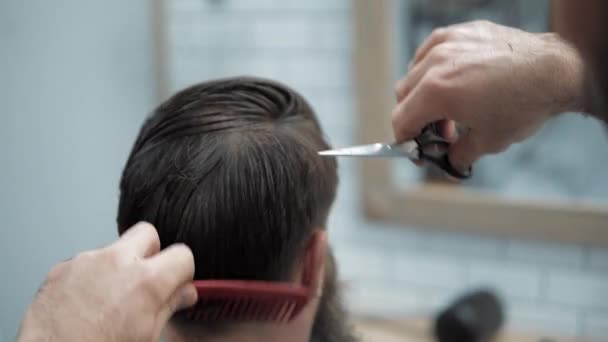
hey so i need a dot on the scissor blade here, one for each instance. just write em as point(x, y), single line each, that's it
point(375, 150)
point(362, 150)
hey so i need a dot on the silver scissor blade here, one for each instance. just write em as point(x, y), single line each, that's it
point(409, 149)
point(362, 150)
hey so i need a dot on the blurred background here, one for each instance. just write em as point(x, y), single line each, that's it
point(78, 77)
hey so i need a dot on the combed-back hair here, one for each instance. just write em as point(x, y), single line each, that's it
point(230, 168)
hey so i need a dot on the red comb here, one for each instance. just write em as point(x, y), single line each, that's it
point(238, 300)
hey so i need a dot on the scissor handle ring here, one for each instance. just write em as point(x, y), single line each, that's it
point(439, 157)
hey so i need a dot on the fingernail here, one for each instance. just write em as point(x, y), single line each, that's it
point(134, 229)
point(141, 225)
point(458, 166)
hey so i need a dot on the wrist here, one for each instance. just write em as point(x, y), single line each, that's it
point(566, 75)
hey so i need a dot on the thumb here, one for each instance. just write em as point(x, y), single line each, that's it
point(465, 151)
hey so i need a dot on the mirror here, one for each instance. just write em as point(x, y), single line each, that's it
point(537, 189)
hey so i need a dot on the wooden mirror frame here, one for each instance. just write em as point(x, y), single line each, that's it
point(444, 206)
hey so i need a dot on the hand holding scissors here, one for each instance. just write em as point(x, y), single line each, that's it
point(428, 146)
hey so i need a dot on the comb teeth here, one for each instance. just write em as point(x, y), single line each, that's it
point(289, 311)
point(232, 307)
point(235, 300)
point(273, 314)
point(280, 315)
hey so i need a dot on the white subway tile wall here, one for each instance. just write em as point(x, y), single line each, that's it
point(598, 258)
point(544, 317)
point(578, 288)
point(387, 269)
point(554, 254)
point(511, 280)
point(596, 324)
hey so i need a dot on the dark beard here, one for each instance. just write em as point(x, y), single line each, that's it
point(331, 322)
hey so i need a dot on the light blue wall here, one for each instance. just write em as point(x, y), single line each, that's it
point(76, 79)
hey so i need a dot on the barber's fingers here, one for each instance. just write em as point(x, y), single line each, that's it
point(441, 59)
point(438, 36)
point(183, 298)
point(141, 240)
point(447, 129)
point(418, 109)
point(171, 269)
point(412, 78)
point(466, 150)
point(174, 268)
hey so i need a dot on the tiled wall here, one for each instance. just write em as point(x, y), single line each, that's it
point(388, 269)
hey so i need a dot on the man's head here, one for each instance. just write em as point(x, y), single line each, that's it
point(230, 168)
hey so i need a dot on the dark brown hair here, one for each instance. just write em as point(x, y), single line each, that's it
point(230, 168)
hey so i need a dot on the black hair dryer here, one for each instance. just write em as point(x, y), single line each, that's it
point(474, 317)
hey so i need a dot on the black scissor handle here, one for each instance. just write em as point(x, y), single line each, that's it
point(434, 148)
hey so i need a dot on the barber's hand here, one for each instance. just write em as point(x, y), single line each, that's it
point(124, 292)
point(501, 84)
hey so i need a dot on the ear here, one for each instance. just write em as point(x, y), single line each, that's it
point(314, 261)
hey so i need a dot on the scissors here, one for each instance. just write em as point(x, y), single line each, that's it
point(428, 146)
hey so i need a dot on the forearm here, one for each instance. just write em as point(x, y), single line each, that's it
point(583, 24)
point(578, 87)
point(595, 92)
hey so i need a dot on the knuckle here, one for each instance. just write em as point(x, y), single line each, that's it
point(433, 83)
point(442, 52)
point(398, 88)
point(110, 256)
point(148, 284)
point(440, 33)
point(437, 53)
point(147, 275)
point(185, 254)
point(480, 23)
point(480, 26)
point(103, 257)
